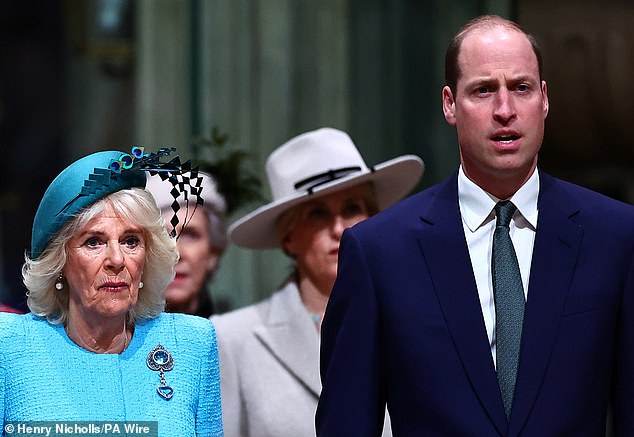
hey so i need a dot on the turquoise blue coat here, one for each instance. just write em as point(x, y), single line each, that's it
point(44, 376)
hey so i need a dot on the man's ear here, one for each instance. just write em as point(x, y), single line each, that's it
point(545, 103)
point(449, 105)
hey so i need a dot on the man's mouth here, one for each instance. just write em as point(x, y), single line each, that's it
point(505, 138)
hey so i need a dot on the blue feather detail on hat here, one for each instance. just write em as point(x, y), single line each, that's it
point(94, 177)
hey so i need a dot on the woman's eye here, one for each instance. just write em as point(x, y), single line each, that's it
point(190, 234)
point(318, 213)
point(92, 242)
point(132, 241)
point(352, 209)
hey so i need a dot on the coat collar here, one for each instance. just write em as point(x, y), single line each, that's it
point(289, 333)
point(446, 255)
point(556, 247)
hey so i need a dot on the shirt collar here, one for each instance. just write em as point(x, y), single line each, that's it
point(476, 205)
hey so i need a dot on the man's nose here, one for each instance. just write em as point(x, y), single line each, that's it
point(504, 110)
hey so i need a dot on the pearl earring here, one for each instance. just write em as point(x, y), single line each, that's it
point(140, 284)
point(59, 285)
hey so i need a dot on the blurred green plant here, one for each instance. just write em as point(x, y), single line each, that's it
point(229, 166)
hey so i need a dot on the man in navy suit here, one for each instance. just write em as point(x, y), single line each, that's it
point(411, 322)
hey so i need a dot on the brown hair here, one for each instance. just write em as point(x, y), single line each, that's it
point(452, 67)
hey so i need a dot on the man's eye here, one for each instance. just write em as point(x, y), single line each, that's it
point(523, 87)
point(482, 90)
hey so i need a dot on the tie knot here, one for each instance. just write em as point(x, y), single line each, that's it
point(504, 210)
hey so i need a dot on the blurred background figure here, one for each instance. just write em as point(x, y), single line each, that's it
point(269, 352)
point(7, 309)
point(200, 245)
point(228, 184)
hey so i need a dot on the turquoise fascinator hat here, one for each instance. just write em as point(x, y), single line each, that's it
point(100, 174)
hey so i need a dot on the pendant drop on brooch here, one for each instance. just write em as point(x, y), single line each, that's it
point(160, 360)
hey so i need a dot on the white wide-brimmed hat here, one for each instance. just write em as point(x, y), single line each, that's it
point(312, 165)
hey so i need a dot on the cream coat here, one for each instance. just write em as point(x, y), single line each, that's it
point(269, 367)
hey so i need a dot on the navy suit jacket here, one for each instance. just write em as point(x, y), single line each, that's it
point(404, 325)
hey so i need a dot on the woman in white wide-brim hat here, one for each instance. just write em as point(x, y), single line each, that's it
point(269, 352)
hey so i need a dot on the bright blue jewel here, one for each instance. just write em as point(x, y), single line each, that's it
point(160, 357)
point(165, 391)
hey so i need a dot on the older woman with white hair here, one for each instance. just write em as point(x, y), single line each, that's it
point(200, 245)
point(269, 352)
point(96, 345)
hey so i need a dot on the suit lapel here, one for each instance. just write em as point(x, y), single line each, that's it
point(557, 244)
point(290, 335)
point(447, 257)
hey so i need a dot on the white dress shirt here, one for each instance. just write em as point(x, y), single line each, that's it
point(478, 221)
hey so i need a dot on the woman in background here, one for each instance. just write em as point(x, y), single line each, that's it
point(269, 352)
point(200, 245)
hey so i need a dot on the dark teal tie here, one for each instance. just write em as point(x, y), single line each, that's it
point(509, 303)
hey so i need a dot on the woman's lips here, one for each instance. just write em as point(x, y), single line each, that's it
point(114, 287)
point(179, 277)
